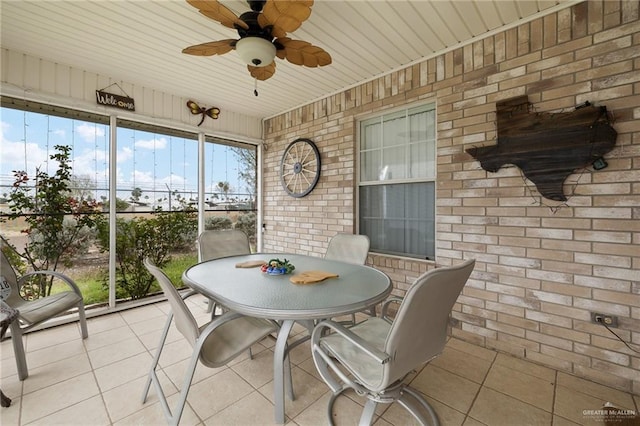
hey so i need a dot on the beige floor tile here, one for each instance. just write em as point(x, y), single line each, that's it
point(527, 367)
point(10, 415)
point(310, 367)
point(561, 421)
point(147, 326)
point(307, 390)
point(398, 415)
point(218, 392)
point(44, 402)
point(142, 313)
point(51, 337)
point(607, 394)
point(174, 352)
point(253, 409)
point(8, 367)
point(89, 412)
point(55, 353)
point(496, 409)
point(105, 323)
point(446, 387)
point(56, 372)
point(120, 372)
point(113, 353)
point(469, 421)
point(345, 412)
point(257, 371)
point(126, 399)
point(463, 364)
point(108, 337)
point(301, 353)
point(153, 415)
point(6, 349)
point(62, 388)
point(522, 386)
point(12, 387)
point(477, 351)
point(150, 340)
point(571, 404)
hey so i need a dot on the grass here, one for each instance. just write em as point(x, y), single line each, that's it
point(95, 290)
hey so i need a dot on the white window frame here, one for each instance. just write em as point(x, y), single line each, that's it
point(428, 105)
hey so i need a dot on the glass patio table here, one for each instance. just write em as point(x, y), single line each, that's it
point(254, 293)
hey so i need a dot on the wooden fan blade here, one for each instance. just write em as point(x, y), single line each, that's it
point(302, 53)
point(285, 15)
point(214, 10)
point(262, 73)
point(219, 47)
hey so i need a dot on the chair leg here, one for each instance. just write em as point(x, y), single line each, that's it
point(18, 350)
point(174, 418)
point(366, 419)
point(83, 320)
point(423, 402)
point(211, 307)
point(332, 401)
point(156, 358)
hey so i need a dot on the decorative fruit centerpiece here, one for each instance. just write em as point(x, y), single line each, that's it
point(277, 267)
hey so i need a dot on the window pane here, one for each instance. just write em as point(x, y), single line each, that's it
point(370, 131)
point(395, 132)
point(65, 243)
point(399, 218)
point(370, 169)
point(394, 160)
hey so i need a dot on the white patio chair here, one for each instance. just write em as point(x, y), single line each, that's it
point(40, 309)
point(214, 344)
point(349, 248)
point(375, 357)
point(214, 244)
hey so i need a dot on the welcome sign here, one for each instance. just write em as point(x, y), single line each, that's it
point(117, 101)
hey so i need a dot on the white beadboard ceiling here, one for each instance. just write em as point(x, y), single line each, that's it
point(140, 42)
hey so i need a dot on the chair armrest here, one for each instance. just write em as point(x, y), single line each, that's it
point(380, 356)
point(67, 280)
point(385, 307)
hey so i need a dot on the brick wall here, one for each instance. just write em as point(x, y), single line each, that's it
point(542, 266)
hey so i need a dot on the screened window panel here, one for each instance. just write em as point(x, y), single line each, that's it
point(397, 188)
point(399, 218)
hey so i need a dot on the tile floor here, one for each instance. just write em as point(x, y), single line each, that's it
point(99, 381)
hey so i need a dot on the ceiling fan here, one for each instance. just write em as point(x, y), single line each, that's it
point(263, 35)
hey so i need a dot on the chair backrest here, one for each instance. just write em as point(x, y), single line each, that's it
point(185, 322)
point(8, 274)
point(419, 330)
point(350, 248)
point(217, 244)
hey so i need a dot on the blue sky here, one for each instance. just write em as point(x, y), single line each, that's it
point(145, 160)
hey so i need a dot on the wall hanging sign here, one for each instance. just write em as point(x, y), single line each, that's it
point(548, 147)
point(113, 100)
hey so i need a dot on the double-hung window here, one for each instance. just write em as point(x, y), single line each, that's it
point(397, 174)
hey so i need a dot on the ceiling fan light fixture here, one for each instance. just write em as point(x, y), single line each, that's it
point(256, 51)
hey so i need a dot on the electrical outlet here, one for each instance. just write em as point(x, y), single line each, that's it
point(609, 320)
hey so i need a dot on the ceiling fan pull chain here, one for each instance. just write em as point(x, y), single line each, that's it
point(255, 86)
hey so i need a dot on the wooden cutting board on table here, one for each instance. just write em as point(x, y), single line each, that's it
point(311, 277)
